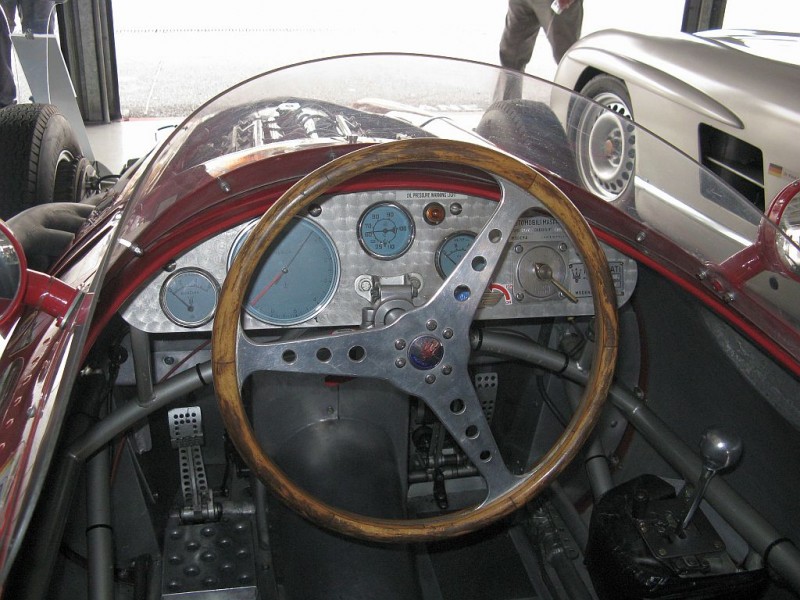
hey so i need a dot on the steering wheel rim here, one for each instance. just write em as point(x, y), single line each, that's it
point(228, 335)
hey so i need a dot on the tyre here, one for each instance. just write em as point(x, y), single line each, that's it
point(41, 158)
point(605, 140)
point(531, 131)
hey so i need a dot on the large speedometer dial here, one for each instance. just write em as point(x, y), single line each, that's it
point(386, 230)
point(298, 277)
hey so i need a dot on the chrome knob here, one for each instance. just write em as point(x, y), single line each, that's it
point(720, 450)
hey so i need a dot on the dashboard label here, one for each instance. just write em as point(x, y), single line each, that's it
point(495, 292)
point(419, 195)
point(580, 279)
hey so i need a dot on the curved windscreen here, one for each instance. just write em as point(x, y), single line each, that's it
point(382, 97)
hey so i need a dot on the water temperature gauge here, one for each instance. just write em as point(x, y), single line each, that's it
point(452, 250)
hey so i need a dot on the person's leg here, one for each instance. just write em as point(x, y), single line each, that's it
point(36, 15)
point(10, 10)
point(519, 35)
point(565, 29)
point(8, 89)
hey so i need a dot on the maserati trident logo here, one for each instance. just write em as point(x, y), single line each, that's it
point(425, 352)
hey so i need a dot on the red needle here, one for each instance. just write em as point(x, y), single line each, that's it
point(267, 287)
point(280, 274)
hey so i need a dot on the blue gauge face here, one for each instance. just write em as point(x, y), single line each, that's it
point(385, 230)
point(452, 250)
point(189, 297)
point(296, 279)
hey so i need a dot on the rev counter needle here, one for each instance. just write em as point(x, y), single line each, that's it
point(280, 274)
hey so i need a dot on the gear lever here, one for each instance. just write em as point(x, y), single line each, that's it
point(720, 450)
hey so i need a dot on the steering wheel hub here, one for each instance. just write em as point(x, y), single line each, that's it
point(425, 352)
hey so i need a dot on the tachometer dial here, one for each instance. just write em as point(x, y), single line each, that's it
point(386, 230)
point(298, 277)
point(189, 297)
point(452, 250)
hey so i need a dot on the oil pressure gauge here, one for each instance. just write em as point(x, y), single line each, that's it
point(189, 297)
point(385, 230)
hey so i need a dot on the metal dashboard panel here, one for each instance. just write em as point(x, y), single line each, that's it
point(537, 238)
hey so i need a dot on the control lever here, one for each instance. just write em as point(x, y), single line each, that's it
point(720, 450)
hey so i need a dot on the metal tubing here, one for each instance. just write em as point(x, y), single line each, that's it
point(568, 575)
point(784, 556)
point(595, 458)
point(99, 535)
point(130, 413)
point(572, 519)
point(140, 347)
point(49, 532)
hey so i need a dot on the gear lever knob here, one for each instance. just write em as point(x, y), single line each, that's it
point(720, 450)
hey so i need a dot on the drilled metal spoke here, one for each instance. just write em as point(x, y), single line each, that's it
point(456, 405)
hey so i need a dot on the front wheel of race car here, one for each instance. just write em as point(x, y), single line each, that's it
point(43, 161)
point(604, 138)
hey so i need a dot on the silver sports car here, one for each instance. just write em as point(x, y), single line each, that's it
point(730, 99)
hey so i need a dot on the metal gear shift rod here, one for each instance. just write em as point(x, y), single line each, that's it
point(720, 450)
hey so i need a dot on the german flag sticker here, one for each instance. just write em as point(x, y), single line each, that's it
point(775, 170)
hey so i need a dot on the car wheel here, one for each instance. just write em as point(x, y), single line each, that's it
point(531, 131)
point(42, 158)
point(604, 140)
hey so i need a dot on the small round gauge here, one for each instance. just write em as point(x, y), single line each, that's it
point(298, 277)
point(189, 297)
point(385, 230)
point(452, 250)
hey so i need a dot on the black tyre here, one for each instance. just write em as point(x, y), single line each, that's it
point(605, 140)
point(40, 155)
point(531, 131)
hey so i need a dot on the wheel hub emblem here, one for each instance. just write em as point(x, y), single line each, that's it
point(425, 352)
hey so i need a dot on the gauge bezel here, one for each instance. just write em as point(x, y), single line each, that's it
point(165, 287)
point(319, 307)
point(412, 225)
point(436, 260)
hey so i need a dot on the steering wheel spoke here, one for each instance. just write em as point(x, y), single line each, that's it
point(457, 407)
point(342, 353)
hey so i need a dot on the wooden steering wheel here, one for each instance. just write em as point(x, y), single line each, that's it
point(425, 351)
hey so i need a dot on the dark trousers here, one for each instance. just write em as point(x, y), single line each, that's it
point(523, 21)
point(8, 90)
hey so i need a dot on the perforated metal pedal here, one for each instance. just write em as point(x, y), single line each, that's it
point(186, 434)
point(186, 426)
point(486, 388)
